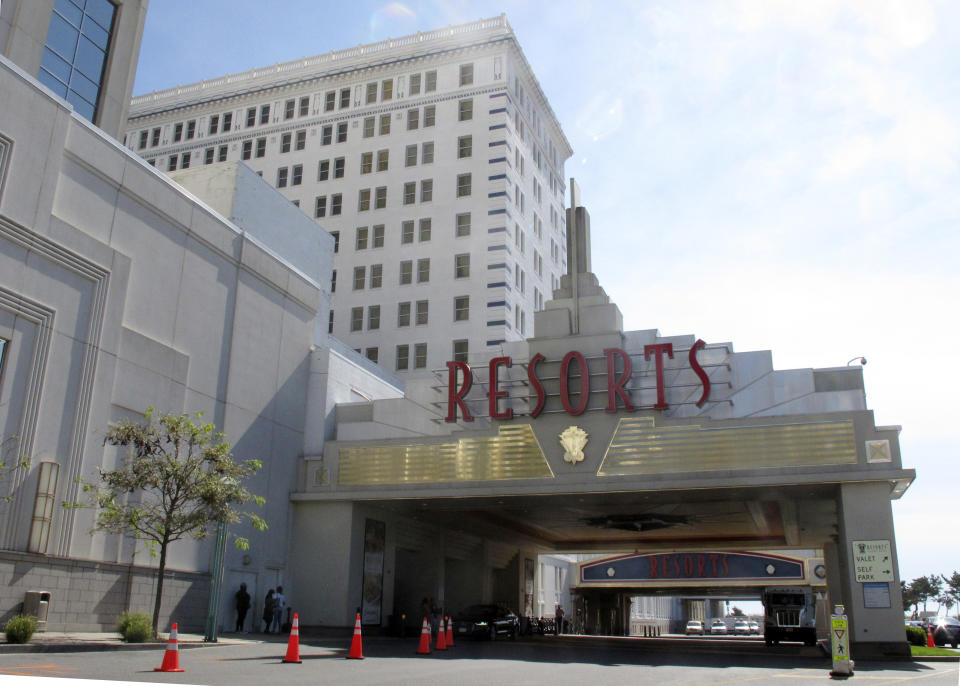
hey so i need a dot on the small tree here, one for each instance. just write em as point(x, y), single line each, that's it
point(9, 466)
point(184, 478)
point(952, 584)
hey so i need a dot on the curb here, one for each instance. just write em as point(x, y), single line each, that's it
point(91, 646)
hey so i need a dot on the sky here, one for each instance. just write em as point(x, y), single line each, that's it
point(779, 175)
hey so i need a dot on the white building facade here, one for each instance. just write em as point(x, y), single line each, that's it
point(434, 160)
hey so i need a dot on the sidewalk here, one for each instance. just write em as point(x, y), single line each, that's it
point(80, 641)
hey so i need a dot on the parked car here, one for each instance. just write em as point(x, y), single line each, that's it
point(754, 627)
point(487, 621)
point(718, 627)
point(946, 630)
point(694, 626)
point(741, 628)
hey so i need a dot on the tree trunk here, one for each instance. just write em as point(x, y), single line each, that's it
point(160, 571)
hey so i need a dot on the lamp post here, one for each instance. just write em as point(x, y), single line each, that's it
point(859, 358)
point(216, 582)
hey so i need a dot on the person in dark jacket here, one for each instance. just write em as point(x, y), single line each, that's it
point(243, 605)
point(269, 608)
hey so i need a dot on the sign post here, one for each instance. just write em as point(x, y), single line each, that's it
point(840, 642)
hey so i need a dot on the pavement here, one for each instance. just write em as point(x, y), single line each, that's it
point(80, 641)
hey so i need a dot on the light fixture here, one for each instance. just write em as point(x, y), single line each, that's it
point(859, 358)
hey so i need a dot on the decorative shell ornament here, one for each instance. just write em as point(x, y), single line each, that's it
point(573, 439)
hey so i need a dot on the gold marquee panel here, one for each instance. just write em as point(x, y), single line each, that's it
point(638, 446)
point(514, 453)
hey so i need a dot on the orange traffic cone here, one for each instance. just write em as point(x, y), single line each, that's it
point(424, 648)
point(449, 632)
point(171, 656)
point(356, 646)
point(441, 637)
point(293, 645)
point(930, 643)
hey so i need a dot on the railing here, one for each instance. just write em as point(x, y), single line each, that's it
point(329, 57)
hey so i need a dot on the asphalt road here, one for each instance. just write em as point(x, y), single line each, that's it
point(578, 661)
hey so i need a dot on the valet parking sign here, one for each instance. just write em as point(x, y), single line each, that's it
point(873, 561)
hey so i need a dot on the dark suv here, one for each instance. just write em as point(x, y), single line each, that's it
point(946, 630)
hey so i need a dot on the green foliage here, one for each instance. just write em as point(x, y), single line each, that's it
point(923, 651)
point(7, 465)
point(20, 629)
point(916, 636)
point(952, 589)
point(178, 479)
point(135, 627)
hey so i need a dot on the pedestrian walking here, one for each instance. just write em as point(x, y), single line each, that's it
point(558, 626)
point(242, 600)
point(269, 607)
point(280, 602)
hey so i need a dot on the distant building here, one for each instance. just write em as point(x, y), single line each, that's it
point(434, 160)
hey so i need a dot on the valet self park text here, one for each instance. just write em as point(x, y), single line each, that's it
point(616, 383)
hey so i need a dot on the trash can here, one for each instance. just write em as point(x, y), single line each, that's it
point(37, 603)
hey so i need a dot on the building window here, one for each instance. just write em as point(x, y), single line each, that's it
point(461, 266)
point(406, 272)
point(330, 323)
point(289, 109)
point(191, 129)
point(371, 93)
point(359, 278)
point(466, 74)
point(461, 308)
point(222, 154)
point(373, 354)
point(172, 163)
point(429, 115)
point(403, 314)
point(265, 114)
point(177, 132)
point(261, 147)
point(326, 135)
point(464, 185)
point(336, 241)
point(363, 203)
point(423, 312)
point(430, 83)
point(185, 161)
point(285, 142)
point(338, 167)
point(329, 101)
point(380, 198)
point(208, 156)
point(344, 98)
point(336, 203)
point(342, 132)
point(409, 193)
point(227, 122)
point(426, 190)
point(411, 156)
point(460, 350)
point(383, 160)
point(427, 155)
point(403, 357)
point(406, 232)
point(386, 89)
point(251, 116)
point(413, 119)
point(466, 109)
point(420, 354)
point(333, 281)
point(376, 279)
point(369, 124)
point(213, 124)
point(75, 53)
point(423, 270)
point(320, 207)
point(464, 146)
point(426, 228)
point(282, 177)
point(384, 124)
point(143, 139)
point(155, 138)
point(366, 162)
point(378, 232)
point(247, 150)
point(356, 319)
point(323, 170)
point(463, 225)
point(373, 317)
point(361, 240)
point(297, 175)
point(415, 84)
point(301, 140)
point(304, 106)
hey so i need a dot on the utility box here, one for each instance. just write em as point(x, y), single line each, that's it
point(37, 604)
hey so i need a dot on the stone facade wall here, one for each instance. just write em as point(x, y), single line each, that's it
point(91, 596)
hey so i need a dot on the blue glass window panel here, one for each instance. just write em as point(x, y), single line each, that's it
point(69, 10)
point(53, 83)
point(96, 33)
point(83, 108)
point(84, 87)
point(62, 38)
point(102, 11)
point(89, 60)
point(56, 65)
